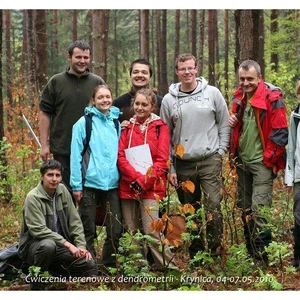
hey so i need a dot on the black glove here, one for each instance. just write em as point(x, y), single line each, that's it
point(136, 187)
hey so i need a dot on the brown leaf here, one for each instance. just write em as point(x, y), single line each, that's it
point(210, 217)
point(188, 209)
point(169, 164)
point(166, 242)
point(147, 210)
point(157, 199)
point(179, 150)
point(188, 186)
point(164, 217)
point(193, 225)
point(149, 173)
point(157, 225)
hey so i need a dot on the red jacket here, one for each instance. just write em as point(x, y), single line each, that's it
point(153, 184)
point(268, 102)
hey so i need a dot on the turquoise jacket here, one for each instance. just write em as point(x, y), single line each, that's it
point(100, 161)
point(38, 221)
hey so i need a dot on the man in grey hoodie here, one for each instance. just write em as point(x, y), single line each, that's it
point(197, 116)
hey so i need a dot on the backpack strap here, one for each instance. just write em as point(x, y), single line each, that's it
point(88, 132)
point(116, 122)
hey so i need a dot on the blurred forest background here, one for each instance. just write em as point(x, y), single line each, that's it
point(34, 46)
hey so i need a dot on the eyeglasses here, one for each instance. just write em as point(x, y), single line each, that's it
point(183, 70)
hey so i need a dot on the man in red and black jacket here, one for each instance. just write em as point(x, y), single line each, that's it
point(259, 133)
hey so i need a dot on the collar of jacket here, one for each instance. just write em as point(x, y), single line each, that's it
point(87, 72)
point(258, 98)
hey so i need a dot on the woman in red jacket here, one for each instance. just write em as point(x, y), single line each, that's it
point(143, 182)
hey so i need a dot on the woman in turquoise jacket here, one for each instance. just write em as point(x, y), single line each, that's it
point(94, 174)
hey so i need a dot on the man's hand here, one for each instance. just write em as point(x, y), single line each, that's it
point(173, 179)
point(73, 249)
point(85, 253)
point(232, 120)
point(124, 124)
point(77, 195)
point(78, 252)
point(45, 152)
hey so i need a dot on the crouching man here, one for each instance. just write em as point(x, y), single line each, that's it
point(52, 236)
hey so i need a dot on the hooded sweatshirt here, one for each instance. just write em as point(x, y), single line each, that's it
point(198, 121)
point(102, 172)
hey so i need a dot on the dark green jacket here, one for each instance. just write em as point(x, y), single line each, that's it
point(64, 98)
point(38, 220)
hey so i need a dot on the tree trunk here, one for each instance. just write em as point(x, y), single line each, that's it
point(247, 36)
point(100, 31)
point(217, 52)
point(116, 51)
point(211, 47)
point(164, 67)
point(226, 51)
point(194, 31)
point(201, 41)
point(41, 49)
point(54, 44)
point(8, 65)
point(177, 39)
point(158, 52)
point(274, 31)
point(259, 17)
point(74, 24)
point(144, 33)
point(6, 194)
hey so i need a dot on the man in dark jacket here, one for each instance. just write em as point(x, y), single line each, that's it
point(140, 72)
point(62, 103)
point(52, 236)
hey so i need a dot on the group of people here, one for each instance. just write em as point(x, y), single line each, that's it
point(193, 115)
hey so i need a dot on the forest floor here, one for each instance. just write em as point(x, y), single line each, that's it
point(233, 271)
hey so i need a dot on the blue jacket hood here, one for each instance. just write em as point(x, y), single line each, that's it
point(114, 112)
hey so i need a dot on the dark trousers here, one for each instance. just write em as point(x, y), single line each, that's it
point(296, 212)
point(111, 206)
point(58, 260)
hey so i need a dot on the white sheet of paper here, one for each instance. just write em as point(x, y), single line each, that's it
point(139, 157)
